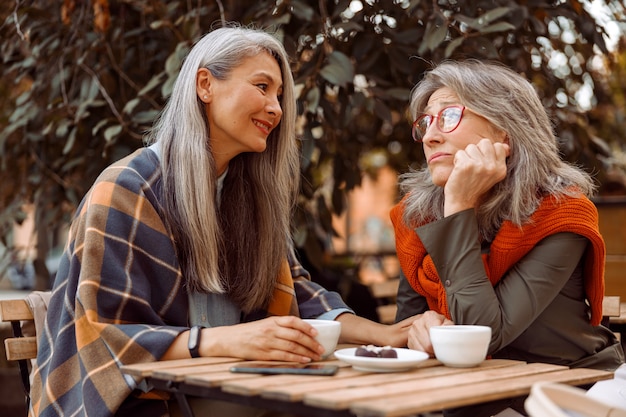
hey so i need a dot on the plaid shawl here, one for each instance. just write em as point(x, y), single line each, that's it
point(119, 298)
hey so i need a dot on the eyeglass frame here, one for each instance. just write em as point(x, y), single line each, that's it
point(415, 124)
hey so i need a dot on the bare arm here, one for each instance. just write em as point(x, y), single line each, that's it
point(285, 338)
point(358, 330)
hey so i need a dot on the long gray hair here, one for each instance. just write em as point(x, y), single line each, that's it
point(237, 247)
point(534, 168)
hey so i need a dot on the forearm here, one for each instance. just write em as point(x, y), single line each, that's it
point(359, 330)
point(209, 344)
point(178, 349)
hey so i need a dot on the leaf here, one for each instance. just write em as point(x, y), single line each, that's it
point(175, 60)
point(69, 144)
point(145, 116)
point(493, 14)
point(399, 93)
point(302, 10)
point(18, 113)
point(485, 47)
point(130, 105)
point(158, 24)
point(112, 132)
point(498, 27)
point(339, 71)
point(455, 43)
point(99, 126)
point(435, 33)
point(154, 82)
point(62, 128)
point(483, 20)
point(168, 86)
point(312, 100)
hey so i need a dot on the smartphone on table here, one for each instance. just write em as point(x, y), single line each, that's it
point(269, 368)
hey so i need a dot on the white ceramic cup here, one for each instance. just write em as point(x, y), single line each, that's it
point(460, 346)
point(327, 334)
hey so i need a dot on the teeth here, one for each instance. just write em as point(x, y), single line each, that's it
point(263, 125)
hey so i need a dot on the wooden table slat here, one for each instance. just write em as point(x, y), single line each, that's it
point(146, 369)
point(216, 375)
point(255, 386)
point(468, 394)
point(426, 388)
point(427, 369)
point(181, 373)
point(340, 399)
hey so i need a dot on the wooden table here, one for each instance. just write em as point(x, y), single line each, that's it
point(428, 387)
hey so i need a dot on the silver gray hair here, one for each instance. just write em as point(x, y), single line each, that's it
point(534, 168)
point(237, 247)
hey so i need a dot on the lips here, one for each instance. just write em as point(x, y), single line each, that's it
point(265, 126)
point(437, 155)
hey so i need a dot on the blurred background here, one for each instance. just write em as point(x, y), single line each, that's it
point(83, 80)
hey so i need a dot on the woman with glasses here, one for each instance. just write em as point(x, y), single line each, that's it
point(497, 230)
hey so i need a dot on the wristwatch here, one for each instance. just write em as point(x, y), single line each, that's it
point(194, 341)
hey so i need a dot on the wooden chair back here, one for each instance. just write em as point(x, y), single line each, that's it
point(611, 306)
point(19, 348)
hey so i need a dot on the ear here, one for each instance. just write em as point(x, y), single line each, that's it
point(203, 84)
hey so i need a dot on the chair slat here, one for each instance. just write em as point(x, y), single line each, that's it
point(21, 348)
point(11, 310)
point(611, 306)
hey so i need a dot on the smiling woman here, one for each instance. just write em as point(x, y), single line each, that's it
point(183, 248)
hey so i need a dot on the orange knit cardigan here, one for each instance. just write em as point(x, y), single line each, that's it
point(577, 215)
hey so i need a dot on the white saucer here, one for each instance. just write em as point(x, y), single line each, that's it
point(407, 359)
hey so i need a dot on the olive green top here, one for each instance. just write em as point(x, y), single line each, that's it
point(537, 312)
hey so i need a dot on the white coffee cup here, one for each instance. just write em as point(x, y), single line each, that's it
point(460, 346)
point(327, 334)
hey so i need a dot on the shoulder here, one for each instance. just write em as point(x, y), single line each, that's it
point(135, 170)
point(570, 206)
point(127, 184)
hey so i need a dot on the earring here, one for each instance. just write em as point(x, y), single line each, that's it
point(205, 97)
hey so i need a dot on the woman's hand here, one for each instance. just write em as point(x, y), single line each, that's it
point(398, 333)
point(284, 338)
point(419, 336)
point(476, 170)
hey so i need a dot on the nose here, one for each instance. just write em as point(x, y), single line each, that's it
point(432, 134)
point(274, 108)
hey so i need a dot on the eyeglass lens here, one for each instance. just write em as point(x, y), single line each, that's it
point(448, 120)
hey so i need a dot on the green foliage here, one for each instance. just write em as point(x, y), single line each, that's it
point(82, 82)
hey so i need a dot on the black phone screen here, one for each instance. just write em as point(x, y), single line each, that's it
point(285, 368)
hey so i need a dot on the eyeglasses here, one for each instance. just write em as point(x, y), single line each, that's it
point(448, 119)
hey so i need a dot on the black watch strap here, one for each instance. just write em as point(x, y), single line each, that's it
point(194, 341)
